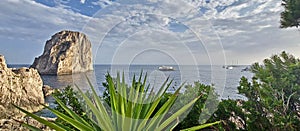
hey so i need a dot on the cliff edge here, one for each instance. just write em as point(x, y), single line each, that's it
point(22, 87)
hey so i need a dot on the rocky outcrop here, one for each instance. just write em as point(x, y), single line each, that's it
point(16, 124)
point(22, 87)
point(47, 90)
point(66, 52)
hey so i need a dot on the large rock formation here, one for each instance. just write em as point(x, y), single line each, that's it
point(22, 87)
point(66, 52)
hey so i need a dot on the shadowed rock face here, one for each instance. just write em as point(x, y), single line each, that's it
point(22, 87)
point(65, 53)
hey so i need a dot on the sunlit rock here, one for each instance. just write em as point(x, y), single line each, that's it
point(66, 52)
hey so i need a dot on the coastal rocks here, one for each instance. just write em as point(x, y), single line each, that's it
point(16, 124)
point(47, 90)
point(22, 87)
point(65, 53)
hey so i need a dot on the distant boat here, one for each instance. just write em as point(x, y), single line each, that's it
point(166, 68)
point(246, 69)
point(229, 67)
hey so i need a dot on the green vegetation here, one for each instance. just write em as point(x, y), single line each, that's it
point(291, 15)
point(202, 107)
point(273, 94)
point(130, 108)
point(231, 114)
point(273, 97)
point(272, 103)
point(191, 117)
point(74, 102)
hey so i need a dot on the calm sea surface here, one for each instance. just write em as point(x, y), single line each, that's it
point(225, 81)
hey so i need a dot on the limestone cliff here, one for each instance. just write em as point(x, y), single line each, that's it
point(66, 52)
point(22, 87)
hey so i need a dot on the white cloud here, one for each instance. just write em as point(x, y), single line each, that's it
point(248, 28)
point(82, 1)
point(242, 26)
point(37, 19)
point(30, 24)
point(103, 3)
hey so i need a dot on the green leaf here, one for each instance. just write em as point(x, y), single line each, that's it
point(105, 124)
point(70, 112)
point(74, 122)
point(32, 128)
point(177, 114)
point(201, 126)
point(43, 121)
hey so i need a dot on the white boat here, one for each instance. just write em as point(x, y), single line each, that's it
point(166, 68)
point(229, 67)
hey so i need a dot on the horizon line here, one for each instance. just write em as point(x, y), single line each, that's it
point(150, 64)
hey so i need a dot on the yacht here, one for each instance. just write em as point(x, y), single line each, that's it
point(166, 68)
point(229, 67)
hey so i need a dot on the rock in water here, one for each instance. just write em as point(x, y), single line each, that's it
point(65, 53)
point(22, 87)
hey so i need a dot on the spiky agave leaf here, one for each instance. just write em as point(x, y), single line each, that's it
point(133, 110)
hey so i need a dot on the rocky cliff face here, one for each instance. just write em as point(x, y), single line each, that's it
point(66, 52)
point(22, 87)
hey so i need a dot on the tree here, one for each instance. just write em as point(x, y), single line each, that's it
point(273, 94)
point(290, 17)
point(272, 97)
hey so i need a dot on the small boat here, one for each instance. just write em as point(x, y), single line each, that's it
point(229, 67)
point(166, 68)
point(246, 69)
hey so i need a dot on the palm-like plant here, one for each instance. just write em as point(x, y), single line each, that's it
point(133, 109)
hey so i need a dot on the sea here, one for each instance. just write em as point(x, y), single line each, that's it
point(225, 81)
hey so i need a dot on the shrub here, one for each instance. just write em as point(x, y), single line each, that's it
point(191, 117)
point(200, 107)
point(73, 101)
point(273, 96)
point(133, 110)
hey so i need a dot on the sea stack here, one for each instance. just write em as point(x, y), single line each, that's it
point(65, 53)
point(22, 87)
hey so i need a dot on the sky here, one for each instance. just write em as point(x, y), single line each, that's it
point(150, 31)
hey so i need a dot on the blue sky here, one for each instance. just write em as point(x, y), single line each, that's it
point(150, 31)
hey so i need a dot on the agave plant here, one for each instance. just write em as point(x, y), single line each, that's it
point(133, 109)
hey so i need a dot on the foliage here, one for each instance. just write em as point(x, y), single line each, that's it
point(191, 118)
point(73, 101)
point(133, 110)
point(273, 96)
point(229, 110)
point(200, 107)
point(291, 15)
